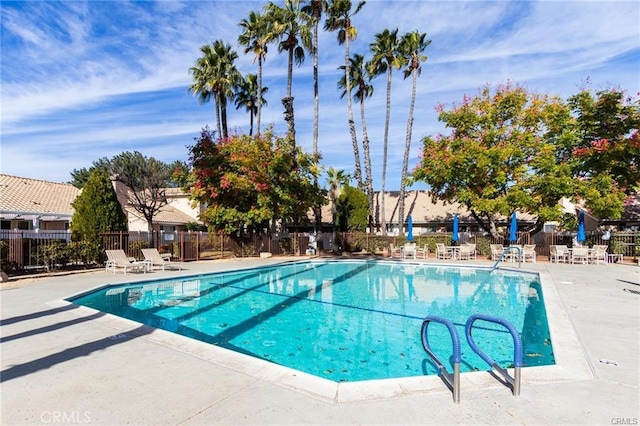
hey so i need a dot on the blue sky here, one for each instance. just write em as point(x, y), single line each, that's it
point(86, 80)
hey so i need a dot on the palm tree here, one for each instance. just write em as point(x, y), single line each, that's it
point(411, 45)
point(385, 57)
point(360, 81)
point(201, 81)
point(314, 9)
point(215, 74)
point(246, 95)
point(289, 25)
point(339, 19)
point(255, 39)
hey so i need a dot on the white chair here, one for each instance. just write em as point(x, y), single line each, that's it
point(443, 252)
point(496, 251)
point(580, 254)
point(559, 253)
point(598, 253)
point(394, 251)
point(409, 251)
point(118, 260)
point(529, 253)
point(423, 252)
point(467, 251)
point(156, 260)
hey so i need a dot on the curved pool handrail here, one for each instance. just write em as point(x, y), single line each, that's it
point(514, 382)
point(505, 251)
point(452, 380)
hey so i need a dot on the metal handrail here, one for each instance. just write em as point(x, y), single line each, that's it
point(507, 249)
point(452, 380)
point(514, 381)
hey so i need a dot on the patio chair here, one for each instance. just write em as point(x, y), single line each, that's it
point(156, 260)
point(443, 252)
point(496, 251)
point(580, 254)
point(118, 260)
point(423, 252)
point(409, 251)
point(529, 253)
point(559, 253)
point(597, 254)
point(394, 250)
point(467, 251)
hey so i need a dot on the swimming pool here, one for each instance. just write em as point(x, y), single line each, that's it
point(342, 320)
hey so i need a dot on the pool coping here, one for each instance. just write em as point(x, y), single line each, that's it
point(570, 360)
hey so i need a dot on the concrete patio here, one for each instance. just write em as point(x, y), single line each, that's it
point(66, 364)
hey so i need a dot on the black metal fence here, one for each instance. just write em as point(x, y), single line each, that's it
point(24, 251)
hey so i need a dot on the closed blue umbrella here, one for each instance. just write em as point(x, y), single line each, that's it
point(513, 229)
point(410, 229)
point(581, 236)
point(455, 236)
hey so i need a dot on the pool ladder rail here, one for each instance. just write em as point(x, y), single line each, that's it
point(505, 251)
point(452, 380)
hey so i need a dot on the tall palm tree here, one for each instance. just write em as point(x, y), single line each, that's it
point(255, 38)
point(411, 47)
point(314, 10)
point(215, 74)
point(360, 82)
point(289, 25)
point(386, 56)
point(246, 95)
point(200, 72)
point(339, 19)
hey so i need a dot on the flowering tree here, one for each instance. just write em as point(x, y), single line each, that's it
point(511, 150)
point(608, 143)
point(245, 180)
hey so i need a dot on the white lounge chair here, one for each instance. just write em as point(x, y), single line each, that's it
point(496, 251)
point(118, 260)
point(157, 261)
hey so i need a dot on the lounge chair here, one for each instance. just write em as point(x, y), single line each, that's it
point(118, 260)
point(156, 260)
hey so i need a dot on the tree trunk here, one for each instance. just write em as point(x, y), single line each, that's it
point(352, 124)
point(259, 95)
point(218, 121)
point(367, 159)
point(407, 148)
point(383, 221)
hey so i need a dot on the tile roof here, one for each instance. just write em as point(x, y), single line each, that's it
point(167, 214)
point(24, 195)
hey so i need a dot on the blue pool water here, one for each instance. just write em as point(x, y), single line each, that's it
point(343, 320)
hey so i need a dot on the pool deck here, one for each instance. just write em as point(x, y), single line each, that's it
point(61, 363)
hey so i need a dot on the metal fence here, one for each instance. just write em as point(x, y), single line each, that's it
point(24, 251)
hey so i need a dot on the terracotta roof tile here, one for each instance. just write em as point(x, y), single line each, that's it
point(18, 194)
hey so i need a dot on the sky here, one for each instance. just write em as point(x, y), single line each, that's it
point(85, 80)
